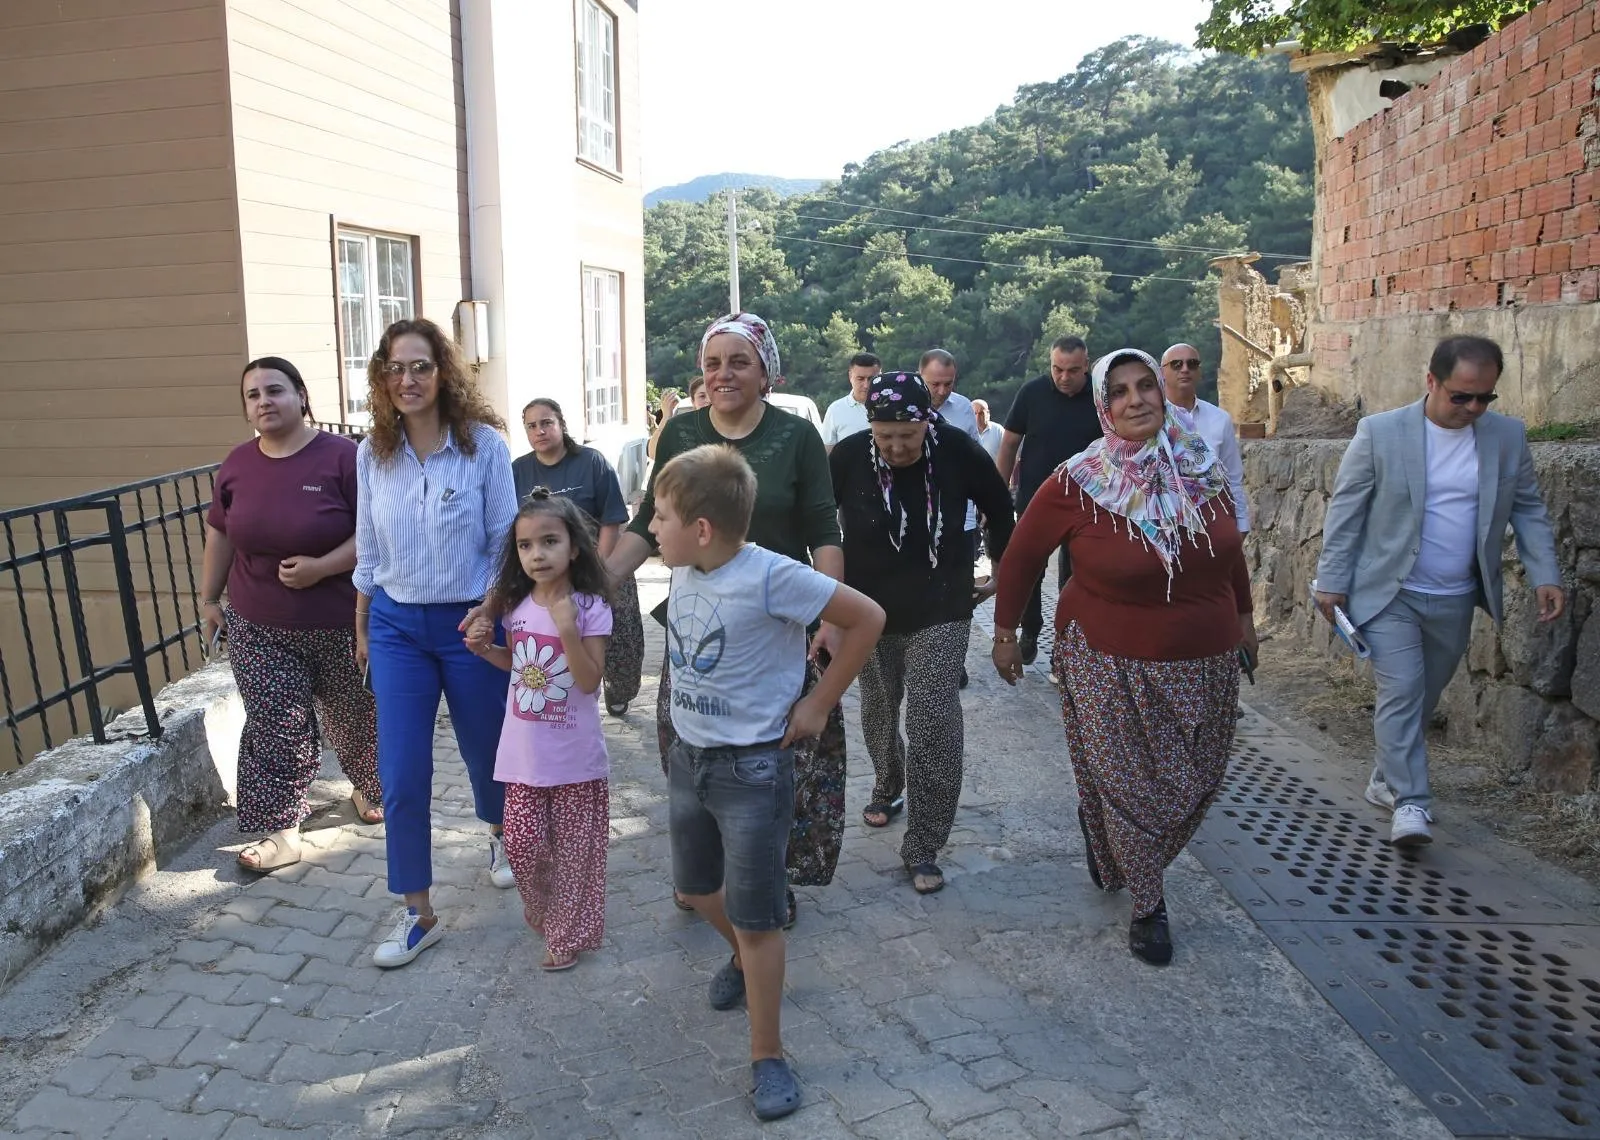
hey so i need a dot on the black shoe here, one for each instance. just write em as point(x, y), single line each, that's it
point(1150, 938)
point(1028, 644)
point(616, 708)
point(1088, 852)
point(964, 678)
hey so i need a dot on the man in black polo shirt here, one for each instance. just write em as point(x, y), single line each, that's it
point(1051, 420)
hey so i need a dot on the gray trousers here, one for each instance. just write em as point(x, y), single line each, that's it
point(1417, 641)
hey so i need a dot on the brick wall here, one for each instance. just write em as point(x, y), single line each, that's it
point(1476, 191)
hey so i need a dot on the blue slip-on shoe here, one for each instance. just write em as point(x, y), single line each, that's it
point(727, 986)
point(776, 1092)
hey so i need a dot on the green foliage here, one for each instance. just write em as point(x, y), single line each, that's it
point(1091, 205)
point(1249, 26)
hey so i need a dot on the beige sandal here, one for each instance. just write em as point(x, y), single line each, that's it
point(552, 964)
point(366, 810)
point(268, 855)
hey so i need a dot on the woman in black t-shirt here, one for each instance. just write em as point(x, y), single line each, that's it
point(586, 477)
point(902, 489)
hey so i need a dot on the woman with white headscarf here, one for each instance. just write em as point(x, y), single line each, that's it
point(1148, 632)
point(794, 516)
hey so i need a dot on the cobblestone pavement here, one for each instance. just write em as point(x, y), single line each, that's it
point(203, 1005)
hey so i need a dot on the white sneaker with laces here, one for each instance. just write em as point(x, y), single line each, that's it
point(1379, 793)
point(500, 873)
point(1410, 827)
point(408, 939)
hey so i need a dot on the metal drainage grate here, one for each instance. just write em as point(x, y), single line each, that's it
point(1311, 865)
point(1481, 993)
point(1496, 1028)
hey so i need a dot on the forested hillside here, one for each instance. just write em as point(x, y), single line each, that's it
point(1087, 205)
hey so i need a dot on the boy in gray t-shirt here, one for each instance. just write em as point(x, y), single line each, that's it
point(736, 644)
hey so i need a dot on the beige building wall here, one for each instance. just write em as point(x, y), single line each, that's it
point(345, 114)
point(121, 308)
point(540, 214)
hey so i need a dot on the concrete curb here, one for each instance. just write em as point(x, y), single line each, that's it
point(85, 820)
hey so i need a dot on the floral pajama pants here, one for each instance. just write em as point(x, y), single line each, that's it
point(556, 844)
point(291, 681)
point(625, 649)
point(922, 670)
point(1149, 742)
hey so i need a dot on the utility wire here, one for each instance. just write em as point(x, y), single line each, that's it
point(994, 264)
point(1115, 243)
point(1008, 226)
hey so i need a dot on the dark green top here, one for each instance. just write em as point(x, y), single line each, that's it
point(795, 513)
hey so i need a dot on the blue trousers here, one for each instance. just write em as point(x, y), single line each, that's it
point(415, 653)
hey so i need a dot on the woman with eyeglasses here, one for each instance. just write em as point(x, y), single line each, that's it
point(435, 499)
point(583, 475)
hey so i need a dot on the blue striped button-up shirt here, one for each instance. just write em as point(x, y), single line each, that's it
point(430, 531)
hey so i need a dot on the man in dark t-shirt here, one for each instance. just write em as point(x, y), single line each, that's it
point(1052, 419)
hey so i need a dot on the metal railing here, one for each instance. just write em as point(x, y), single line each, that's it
point(106, 590)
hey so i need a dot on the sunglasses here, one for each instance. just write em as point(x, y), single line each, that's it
point(1460, 399)
point(1192, 362)
point(397, 368)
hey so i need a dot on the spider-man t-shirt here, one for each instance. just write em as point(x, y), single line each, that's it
point(551, 734)
point(736, 645)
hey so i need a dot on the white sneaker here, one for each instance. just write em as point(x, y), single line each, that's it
point(1379, 793)
point(500, 873)
point(1410, 828)
point(408, 939)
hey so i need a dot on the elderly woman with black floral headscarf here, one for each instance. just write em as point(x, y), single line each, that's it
point(1147, 632)
point(903, 489)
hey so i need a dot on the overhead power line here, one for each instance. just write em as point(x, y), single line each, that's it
point(1115, 243)
point(993, 264)
point(1067, 238)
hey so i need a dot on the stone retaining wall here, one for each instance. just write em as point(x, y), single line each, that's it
point(1530, 693)
point(84, 820)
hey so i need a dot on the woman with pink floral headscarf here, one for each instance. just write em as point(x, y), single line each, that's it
point(1148, 632)
point(794, 516)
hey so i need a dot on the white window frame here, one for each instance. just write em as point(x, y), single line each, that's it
point(597, 86)
point(602, 347)
point(363, 316)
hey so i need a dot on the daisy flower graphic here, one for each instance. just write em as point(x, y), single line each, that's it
point(541, 673)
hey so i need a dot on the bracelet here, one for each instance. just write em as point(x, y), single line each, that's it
point(1005, 639)
point(210, 601)
point(363, 612)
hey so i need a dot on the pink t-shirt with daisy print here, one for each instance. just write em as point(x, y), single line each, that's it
point(551, 734)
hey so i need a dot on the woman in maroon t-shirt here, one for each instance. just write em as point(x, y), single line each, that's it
point(281, 538)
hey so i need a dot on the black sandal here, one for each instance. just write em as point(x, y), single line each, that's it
point(681, 903)
point(927, 871)
point(888, 810)
point(794, 910)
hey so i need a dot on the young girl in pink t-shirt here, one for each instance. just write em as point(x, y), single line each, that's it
point(552, 590)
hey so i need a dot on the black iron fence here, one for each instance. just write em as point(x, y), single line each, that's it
point(104, 607)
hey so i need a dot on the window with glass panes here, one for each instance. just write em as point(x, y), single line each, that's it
point(597, 85)
point(377, 286)
point(602, 340)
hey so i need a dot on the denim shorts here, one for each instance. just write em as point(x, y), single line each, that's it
point(730, 814)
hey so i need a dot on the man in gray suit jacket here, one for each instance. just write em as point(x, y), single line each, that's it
point(1412, 543)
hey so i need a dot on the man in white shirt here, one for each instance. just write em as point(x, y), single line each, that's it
point(1180, 368)
point(938, 369)
point(848, 414)
point(989, 433)
point(1412, 544)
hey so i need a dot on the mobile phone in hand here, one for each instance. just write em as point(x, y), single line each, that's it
point(366, 676)
point(1247, 665)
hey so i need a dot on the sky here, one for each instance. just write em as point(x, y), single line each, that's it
point(798, 88)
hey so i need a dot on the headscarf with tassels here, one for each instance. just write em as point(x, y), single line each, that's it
point(1159, 484)
point(902, 397)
